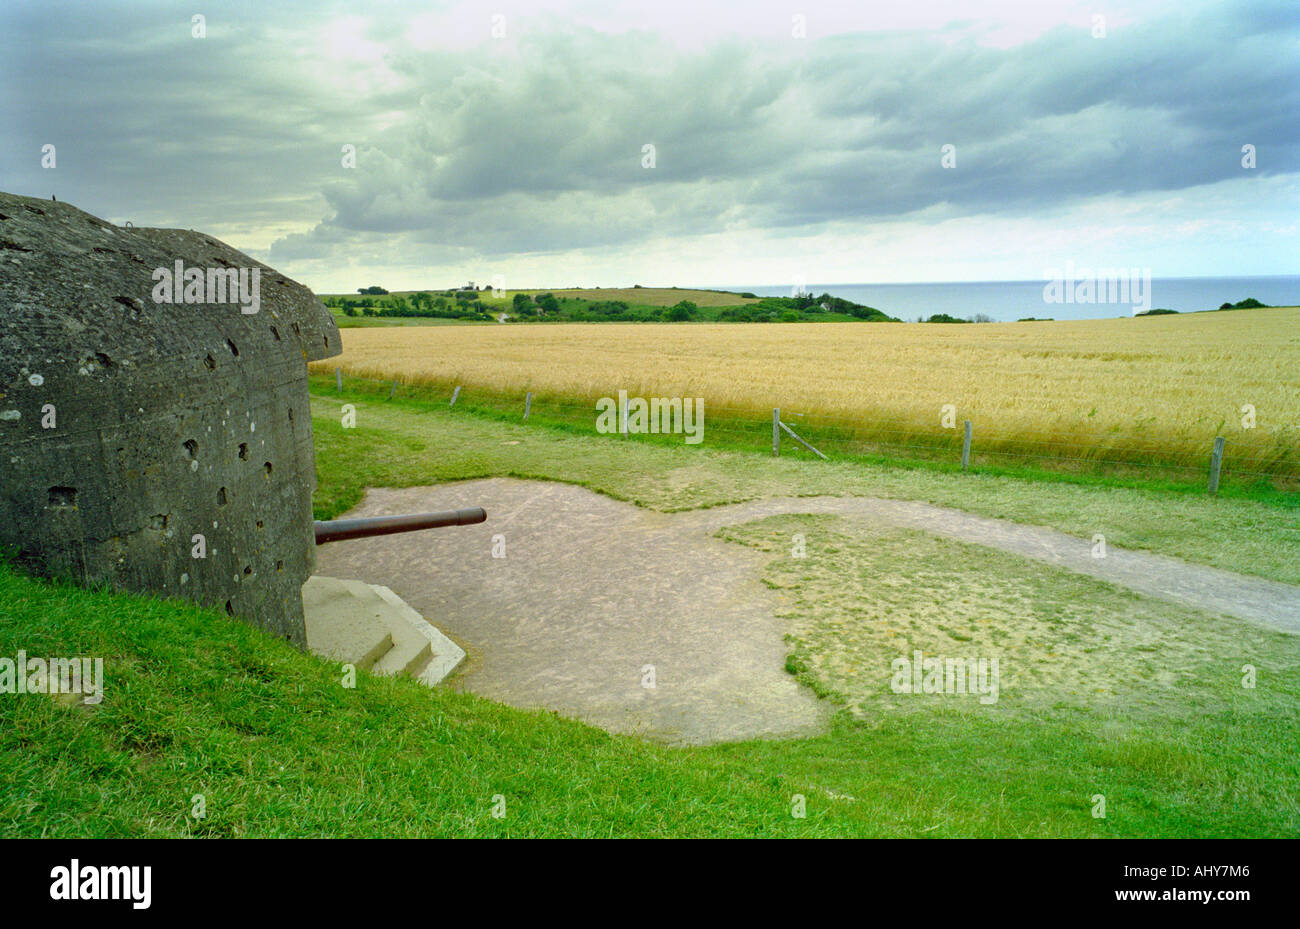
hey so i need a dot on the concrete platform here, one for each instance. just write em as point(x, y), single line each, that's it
point(595, 591)
point(371, 627)
point(593, 598)
point(341, 626)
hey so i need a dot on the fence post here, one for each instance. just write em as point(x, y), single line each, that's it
point(338, 379)
point(965, 448)
point(794, 435)
point(1216, 461)
point(454, 394)
point(528, 404)
point(393, 391)
point(776, 432)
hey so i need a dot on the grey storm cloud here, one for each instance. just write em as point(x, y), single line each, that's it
point(537, 147)
point(542, 151)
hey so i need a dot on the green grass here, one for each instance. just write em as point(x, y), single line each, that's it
point(197, 703)
point(364, 322)
point(861, 595)
point(410, 441)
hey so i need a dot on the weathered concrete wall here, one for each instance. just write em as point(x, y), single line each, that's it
point(128, 427)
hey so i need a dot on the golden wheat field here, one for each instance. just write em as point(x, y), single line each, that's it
point(1155, 389)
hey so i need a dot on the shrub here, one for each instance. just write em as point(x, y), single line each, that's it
point(680, 312)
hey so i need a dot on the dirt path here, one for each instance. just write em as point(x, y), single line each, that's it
point(595, 596)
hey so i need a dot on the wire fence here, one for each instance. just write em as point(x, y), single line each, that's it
point(1274, 464)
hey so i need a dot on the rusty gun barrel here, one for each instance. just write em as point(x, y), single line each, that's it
point(336, 530)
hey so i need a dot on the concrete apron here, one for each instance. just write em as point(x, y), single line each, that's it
point(592, 590)
point(594, 600)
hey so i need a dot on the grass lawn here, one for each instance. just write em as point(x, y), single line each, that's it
point(858, 596)
point(196, 703)
point(1143, 705)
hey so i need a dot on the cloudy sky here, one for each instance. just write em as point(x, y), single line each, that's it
point(792, 141)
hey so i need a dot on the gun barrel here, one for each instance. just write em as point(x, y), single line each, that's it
point(337, 530)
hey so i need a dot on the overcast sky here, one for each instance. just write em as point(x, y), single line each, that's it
point(778, 157)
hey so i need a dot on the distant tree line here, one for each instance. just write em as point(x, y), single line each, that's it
point(467, 303)
point(801, 307)
point(458, 304)
point(529, 307)
point(977, 318)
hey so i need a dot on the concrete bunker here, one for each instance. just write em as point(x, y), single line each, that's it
point(154, 439)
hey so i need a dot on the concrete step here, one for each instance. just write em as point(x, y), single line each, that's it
point(444, 654)
point(345, 617)
point(411, 650)
point(341, 626)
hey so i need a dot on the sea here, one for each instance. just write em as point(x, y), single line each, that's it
point(1007, 301)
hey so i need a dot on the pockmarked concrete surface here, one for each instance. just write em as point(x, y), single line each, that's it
point(591, 600)
point(133, 427)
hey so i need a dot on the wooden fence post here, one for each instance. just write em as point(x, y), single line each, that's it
point(1216, 462)
point(393, 391)
point(776, 432)
point(528, 404)
point(794, 435)
point(965, 448)
point(338, 379)
point(454, 394)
